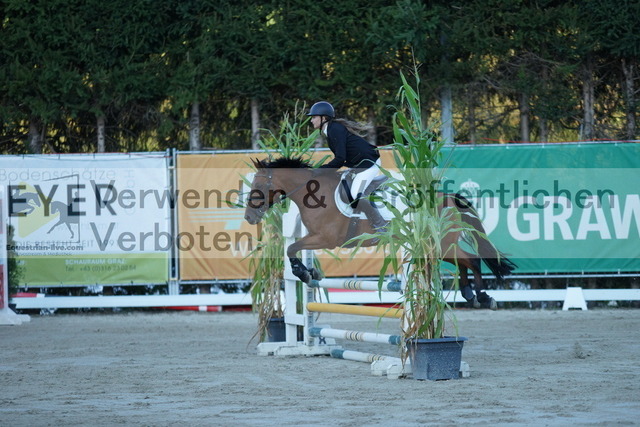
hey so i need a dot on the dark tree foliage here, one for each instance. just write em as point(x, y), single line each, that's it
point(518, 70)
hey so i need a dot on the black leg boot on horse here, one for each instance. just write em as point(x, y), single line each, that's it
point(303, 273)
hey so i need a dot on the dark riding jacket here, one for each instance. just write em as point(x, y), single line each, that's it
point(349, 150)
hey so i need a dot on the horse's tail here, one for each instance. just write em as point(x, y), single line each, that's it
point(497, 262)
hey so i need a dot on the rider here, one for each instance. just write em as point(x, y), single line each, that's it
point(350, 149)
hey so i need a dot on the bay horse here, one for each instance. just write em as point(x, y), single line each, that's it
point(312, 190)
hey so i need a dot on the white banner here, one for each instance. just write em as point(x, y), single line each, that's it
point(87, 219)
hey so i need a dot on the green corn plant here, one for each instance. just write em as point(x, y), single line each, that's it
point(412, 241)
point(266, 261)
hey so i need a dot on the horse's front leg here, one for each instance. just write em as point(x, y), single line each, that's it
point(297, 267)
point(303, 273)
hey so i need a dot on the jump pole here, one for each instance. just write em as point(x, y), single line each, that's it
point(359, 356)
point(381, 365)
point(358, 285)
point(390, 366)
point(358, 310)
point(355, 336)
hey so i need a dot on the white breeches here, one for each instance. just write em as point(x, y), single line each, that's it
point(362, 179)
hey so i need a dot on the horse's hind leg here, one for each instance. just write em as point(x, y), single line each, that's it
point(483, 299)
point(464, 262)
point(473, 293)
point(466, 289)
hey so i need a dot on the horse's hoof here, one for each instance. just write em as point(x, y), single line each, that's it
point(489, 303)
point(304, 277)
point(299, 270)
point(474, 303)
point(486, 301)
point(315, 274)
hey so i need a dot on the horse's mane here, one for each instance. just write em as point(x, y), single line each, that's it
point(285, 163)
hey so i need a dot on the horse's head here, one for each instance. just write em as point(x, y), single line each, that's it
point(274, 180)
point(262, 195)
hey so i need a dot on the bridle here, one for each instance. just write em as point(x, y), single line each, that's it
point(267, 204)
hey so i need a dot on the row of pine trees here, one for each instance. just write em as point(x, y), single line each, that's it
point(139, 75)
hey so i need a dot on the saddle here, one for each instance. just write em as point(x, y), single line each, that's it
point(344, 188)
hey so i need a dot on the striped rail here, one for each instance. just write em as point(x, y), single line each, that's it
point(355, 336)
point(359, 356)
point(357, 285)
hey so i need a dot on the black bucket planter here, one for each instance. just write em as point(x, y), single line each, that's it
point(436, 359)
point(277, 331)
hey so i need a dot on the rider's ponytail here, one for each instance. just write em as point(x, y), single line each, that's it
point(357, 128)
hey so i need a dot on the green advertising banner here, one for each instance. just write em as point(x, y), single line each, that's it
point(89, 219)
point(555, 208)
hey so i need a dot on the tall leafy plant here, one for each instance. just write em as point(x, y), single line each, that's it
point(14, 269)
point(416, 228)
point(267, 259)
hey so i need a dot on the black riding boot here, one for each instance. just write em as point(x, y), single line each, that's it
point(376, 220)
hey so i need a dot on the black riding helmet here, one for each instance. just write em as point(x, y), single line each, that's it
point(322, 108)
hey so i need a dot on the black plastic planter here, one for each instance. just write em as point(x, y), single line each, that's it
point(436, 359)
point(276, 331)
